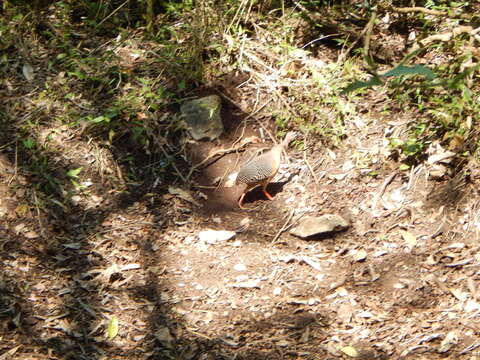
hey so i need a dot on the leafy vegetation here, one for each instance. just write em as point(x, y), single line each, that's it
point(116, 71)
point(90, 95)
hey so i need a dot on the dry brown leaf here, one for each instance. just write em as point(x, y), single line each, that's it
point(31, 235)
point(182, 194)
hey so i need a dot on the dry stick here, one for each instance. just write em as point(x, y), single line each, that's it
point(418, 9)
point(308, 163)
point(228, 170)
point(284, 227)
point(112, 13)
point(447, 36)
point(15, 174)
point(38, 214)
point(368, 36)
point(426, 11)
point(387, 182)
point(252, 115)
point(173, 165)
point(241, 135)
point(220, 153)
point(342, 56)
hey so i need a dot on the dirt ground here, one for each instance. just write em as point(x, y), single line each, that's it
point(400, 283)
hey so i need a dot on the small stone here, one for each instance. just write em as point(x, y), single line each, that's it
point(310, 226)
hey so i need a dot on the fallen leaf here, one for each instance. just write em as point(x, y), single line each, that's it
point(459, 295)
point(18, 229)
point(350, 351)
point(31, 235)
point(249, 284)
point(73, 246)
point(360, 255)
point(409, 238)
point(450, 340)
point(182, 194)
point(312, 263)
point(22, 209)
point(214, 236)
point(28, 72)
point(112, 329)
point(130, 267)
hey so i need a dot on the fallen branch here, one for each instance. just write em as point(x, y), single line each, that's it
point(367, 28)
point(173, 165)
point(418, 9)
point(368, 36)
point(217, 155)
point(308, 163)
point(446, 36)
point(284, 227)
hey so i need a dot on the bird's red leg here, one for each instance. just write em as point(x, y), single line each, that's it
point(264, 189)
point(240, 201)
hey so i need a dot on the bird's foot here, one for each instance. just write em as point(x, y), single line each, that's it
point(240, 201)
point(270, 197)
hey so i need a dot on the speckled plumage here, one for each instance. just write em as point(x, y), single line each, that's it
point(261, 169)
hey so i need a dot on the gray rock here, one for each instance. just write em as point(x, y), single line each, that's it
point(310, 226)
point(203, 117)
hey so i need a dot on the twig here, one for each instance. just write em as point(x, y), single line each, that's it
point(319, 39)
point(418, 9)
point(215, 156)
point(199, 334)
point(112, 13)
point(387, 181)
point(308, 163)
point(284, 227)
point(15, 174)
point(368, 35)
point(252, 115)
point(42, 232)
point(342, 56)
point(228, 170)
point(446, 36)
point(173, 165)
point(470, 348)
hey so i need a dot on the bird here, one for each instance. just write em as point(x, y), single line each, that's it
point(260, 170)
